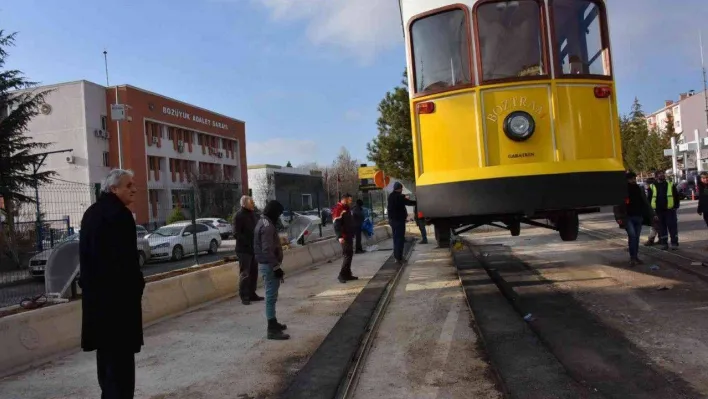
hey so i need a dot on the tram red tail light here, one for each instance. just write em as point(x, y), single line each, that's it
point(602, 91)
point(426, 108)
point(420, 215)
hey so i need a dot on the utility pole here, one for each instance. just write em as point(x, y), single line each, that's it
point(705, 79)
point(120, 141)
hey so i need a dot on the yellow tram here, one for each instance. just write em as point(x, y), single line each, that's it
point(514, 113)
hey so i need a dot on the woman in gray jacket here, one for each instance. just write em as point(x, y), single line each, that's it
point(269, 255)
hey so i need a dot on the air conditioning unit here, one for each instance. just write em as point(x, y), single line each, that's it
point(70, 159)
point(99, 133)
point(155, 139)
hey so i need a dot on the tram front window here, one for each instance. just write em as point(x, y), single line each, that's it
point(510, 39)
point(579, 39)
point(441, 51)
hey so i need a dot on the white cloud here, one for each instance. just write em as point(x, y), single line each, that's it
point(280, 151)
point(361, 27)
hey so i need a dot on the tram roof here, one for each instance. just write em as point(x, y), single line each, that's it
point(411, 8)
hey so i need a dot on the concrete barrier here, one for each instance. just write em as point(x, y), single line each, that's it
point(317, 251)
point(31, 338)
point(297, 258)
point(163, 298)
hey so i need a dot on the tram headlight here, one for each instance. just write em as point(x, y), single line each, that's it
point(519, 126)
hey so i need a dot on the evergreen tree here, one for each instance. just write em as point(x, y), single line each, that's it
point(18, 153)
point(19, 103)
point(392, 149)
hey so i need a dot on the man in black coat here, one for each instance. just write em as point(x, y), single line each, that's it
point(112, 285)
point(397, 215)
point(358, 216)
point(244, 225)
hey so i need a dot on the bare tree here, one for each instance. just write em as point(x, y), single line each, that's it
point(345, 168)
point(264, 188)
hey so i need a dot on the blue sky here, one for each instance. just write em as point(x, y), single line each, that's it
point(305, 75)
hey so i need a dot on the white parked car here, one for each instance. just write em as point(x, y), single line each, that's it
point(176, 240)
point(38, 263)
point(225, 228)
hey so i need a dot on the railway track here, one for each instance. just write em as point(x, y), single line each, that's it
point(544, 344)
point(541, 342)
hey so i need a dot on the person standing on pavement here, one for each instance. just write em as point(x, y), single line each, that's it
point(244, 225)
point(397, 216)
point(702, 188)
point(344, 229)
point(655, 225)
point(664, 199)
point(421, 225)
point(112, 285)
point(269, 255)
point(358, 216)
point(634, 212)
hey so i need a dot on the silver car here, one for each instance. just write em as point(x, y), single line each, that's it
point(38, 263)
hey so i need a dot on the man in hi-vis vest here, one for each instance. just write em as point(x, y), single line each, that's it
point(664, 199)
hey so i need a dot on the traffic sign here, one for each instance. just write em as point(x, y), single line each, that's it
point(367, 172)
point(381, 180)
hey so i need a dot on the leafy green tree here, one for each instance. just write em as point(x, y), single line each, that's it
point(392, 149)
point(289, 165)
point(19, 103)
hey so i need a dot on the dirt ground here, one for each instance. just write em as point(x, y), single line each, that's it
point(659, 308)
point(426, 346)
point(219, 351)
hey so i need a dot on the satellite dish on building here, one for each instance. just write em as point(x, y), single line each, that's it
point(62, 268)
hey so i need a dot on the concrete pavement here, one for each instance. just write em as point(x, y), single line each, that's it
point(219, 351)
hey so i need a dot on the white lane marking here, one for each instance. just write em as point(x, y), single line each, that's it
point(443, 350)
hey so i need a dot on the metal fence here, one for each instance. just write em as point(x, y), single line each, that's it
point(166, 230)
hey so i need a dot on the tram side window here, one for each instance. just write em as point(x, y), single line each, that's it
point(510, 39)
point(441, 51)
point(580, 46)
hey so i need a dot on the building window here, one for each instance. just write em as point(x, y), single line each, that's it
point(581, 46)
point(106, 159)
point(306, 201)
point(440, 51)
point(104, 122)
point(511, 42)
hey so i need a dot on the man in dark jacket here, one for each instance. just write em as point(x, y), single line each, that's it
point(344, 229)
point(244, 225)
point(358, 216)
point(634, 212)
point(397, 216)
point(112, 285)
point(269, 255)
point(702, 188)
point(664, 199)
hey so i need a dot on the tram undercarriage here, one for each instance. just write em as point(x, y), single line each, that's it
point(565, 222)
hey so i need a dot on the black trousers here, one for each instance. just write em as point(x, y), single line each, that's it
point(116, 373)
point(398, 229)
point(347, 255)
point(357, 235)
point(248, 268)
